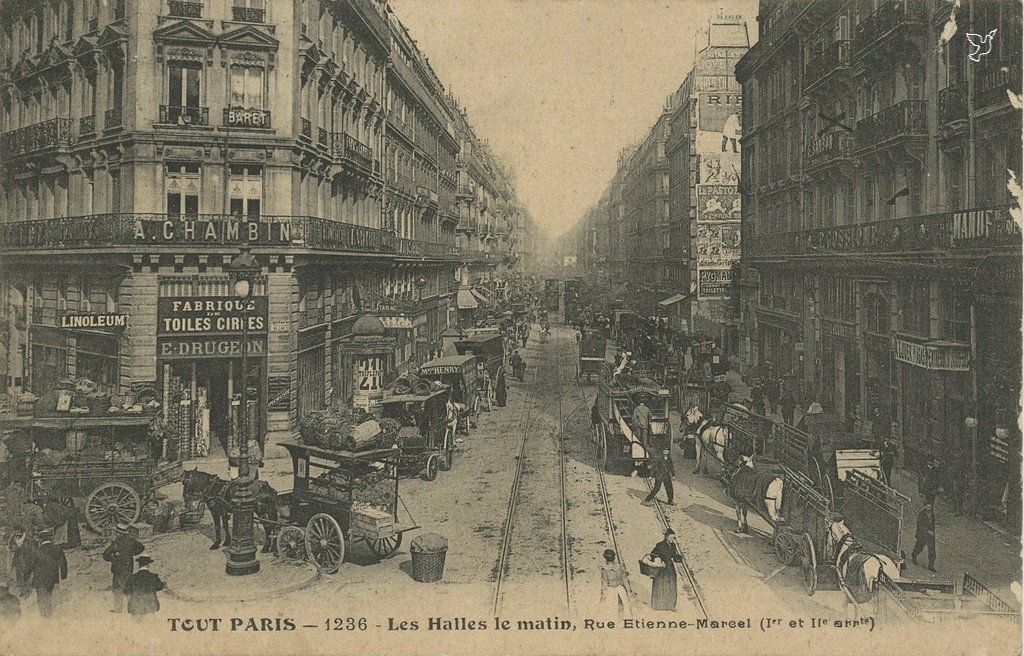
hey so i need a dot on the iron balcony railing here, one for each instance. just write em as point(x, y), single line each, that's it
point(31, 139)
point(952, 105)
point(306, 128)
point(347, 147)
point(184, 116)
point(965, 229)
point(248, 14)
point(426, 195)
point(889, 17)
point(183, 9)
point(139, 229)
point(836, 56)
point(828, 148)
point(112, 118)
point(87, 125)
point(906, 118)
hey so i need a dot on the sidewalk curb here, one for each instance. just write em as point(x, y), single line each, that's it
point(263, 595)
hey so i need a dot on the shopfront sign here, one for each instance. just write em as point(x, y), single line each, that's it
point(211, 315)
point(934, 356)
point(839, 330)
point(219, 230)
point(107, 321)
point(248, 118)
point(714, 283)
point(172, 348)
point(404, 323)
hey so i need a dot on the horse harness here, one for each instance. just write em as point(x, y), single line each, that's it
point(705, 425)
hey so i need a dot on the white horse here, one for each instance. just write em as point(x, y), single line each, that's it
point(855, 566)
point(772, 500)
point(707, 436)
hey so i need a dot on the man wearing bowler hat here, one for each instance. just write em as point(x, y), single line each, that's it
point(121, 555)
point(49, 567)
point(141, 589)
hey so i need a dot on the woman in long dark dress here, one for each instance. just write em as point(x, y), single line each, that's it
point(663, 589)
point(501, 389)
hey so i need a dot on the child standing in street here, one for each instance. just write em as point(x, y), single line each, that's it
point(614, 596)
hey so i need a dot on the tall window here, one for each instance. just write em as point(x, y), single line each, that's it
point(183, 86)
point(246, 87)
point(182, 186)
point(915, 307)
point(246, 190)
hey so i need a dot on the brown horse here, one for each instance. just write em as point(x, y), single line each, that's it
point(217, 493)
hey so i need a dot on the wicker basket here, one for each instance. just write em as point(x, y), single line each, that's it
point(428, 566)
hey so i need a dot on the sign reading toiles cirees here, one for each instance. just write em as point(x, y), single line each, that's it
point(219, 230)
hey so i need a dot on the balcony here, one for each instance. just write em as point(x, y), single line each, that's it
point(906, 119)
point(351, 151)
point(967, 230)
point(431, 249)
point(87, 125)
point(887, 26)
point(994, 78)
point(112, 118)
point(829, 149)
point(34, 139)
point(952, 105)
point(834, 59)
point(242, 119)
point(426, 196)
point(248, 14)
point(183, 9)
point(306, 129)
point(184, 116)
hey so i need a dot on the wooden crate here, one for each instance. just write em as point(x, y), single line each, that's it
point(372, 523)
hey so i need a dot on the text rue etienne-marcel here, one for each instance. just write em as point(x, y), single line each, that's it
point(438, 624)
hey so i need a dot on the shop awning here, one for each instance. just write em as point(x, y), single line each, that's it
point(671, 300)
point(466, 300)
point(481, 294)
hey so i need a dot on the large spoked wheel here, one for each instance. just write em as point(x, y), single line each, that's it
point(786, 548)
point(325, 544)
point(385, 546)
point(828, 491)
point(111, 504)
point(291, 543)
point(446, 457)
point(430, 473)
point(809, 563)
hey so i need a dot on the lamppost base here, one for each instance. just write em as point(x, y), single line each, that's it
point(242, 564)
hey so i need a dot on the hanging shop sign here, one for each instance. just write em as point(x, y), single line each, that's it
point(404, 323)
point(714, 283)
point(172, 348)
point(222, 230)
point(211, 315)
point(934, 356)
point(108, 321)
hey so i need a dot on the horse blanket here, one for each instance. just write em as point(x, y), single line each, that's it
point(751, 485)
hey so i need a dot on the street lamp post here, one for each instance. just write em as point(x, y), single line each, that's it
point(241, 555)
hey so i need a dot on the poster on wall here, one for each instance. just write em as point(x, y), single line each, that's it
point(719, 111)
point(718, 202)
point(369, 392)
point(714, 283)
point(718, 244)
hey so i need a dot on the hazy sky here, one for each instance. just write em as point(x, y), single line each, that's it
point(558, 87)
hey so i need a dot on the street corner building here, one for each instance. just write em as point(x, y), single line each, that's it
point(668, 225)
point(144, 143)
point(881, 258)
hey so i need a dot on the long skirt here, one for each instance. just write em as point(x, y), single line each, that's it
point(663, 590)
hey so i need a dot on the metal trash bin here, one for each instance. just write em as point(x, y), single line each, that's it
point(428, 555)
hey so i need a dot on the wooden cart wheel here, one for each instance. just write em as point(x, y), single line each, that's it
point(786, 548)
point(809, 562)
point(325, 544)
point(430, 473)
point(818, 476)
point(291, 543)
point(449, 446)
point(110, 504)
point(385, 546)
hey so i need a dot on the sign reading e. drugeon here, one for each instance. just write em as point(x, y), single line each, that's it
point(223, 230)
point(211, 315)
point(211, 347)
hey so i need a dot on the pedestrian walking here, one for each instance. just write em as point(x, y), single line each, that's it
point(141, 588)
point(501, 388)
point(10, 608)
point(925, 535)
point(757, 399)
point(879, 427)
point(661, 470)
point(49, 567)
point(788, 404)
point(595, 418)
point(771, 389)
point(930, 481)
point(663, 588)
point(887, 458)
point(121, 555)
point(614, 596)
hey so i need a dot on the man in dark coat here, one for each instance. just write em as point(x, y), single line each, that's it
point(931, 480)
point(788, 407)
point(49, 567)
point(121, 555)
point(141, 589)
point(771, 389)
point(661, 470)
point(887, 458)
point(501, 388)
point(925, 535)
point(757, 399)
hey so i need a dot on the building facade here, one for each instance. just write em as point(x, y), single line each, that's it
point(143, 144)
point(881, 256)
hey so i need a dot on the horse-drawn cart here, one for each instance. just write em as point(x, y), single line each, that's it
point(592, 355)
point(108, 462)
point(339, 498)
point(428, 441)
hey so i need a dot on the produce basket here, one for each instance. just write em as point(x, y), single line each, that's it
point(650, 567)
point(428, 554)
